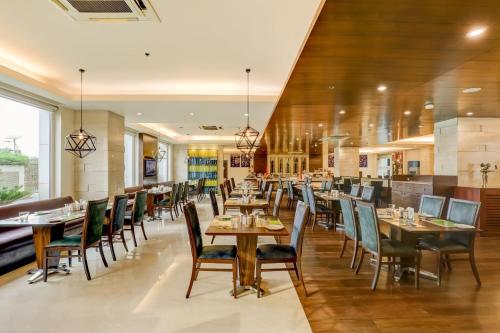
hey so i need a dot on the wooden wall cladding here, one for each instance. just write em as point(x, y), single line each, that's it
point(489, 216)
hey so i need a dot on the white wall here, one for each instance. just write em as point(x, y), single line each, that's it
point(372, 168)
point(179, 165)
point(445, 147)
point(64, 168)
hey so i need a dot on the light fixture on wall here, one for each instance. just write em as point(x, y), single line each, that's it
point(187, 158)
point(246, 139)
point(81, 143)
point(159, 154)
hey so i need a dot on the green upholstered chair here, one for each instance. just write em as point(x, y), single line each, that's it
point(167, 203)
point(463, 212)
point(431, 205)
point(178, 198)
point(318, 210)
point(304, 197)
point(233, 183)
point(215, 207)
point(277, 202)
point(328, 186)
point(354, 190)
point(90, 237)
point(372, 243)
point(210, 254)
point(136, 218)
point(367, 193)
point(351, 231)
point(280, 253)
point(114, 228)
point(323, 186)
point(185, 192)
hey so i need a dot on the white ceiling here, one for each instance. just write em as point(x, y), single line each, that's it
point(199, 53)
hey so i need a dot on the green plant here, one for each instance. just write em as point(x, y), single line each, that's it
point(8, 195)
point(9, 158)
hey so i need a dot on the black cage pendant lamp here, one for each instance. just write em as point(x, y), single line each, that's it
point(80, 142)
point(159, 154)
point(246, 139)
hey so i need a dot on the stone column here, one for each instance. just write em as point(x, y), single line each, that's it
point(346, 161)
point(101, 174)
point(462, 144)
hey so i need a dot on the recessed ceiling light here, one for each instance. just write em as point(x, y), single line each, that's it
point(476, 32)
point(331, 87)
point(246, 114)
point(139, 113)
point(320, 125)
point(307, 133)
point(342, 111)
point(470, 114)
point(382, 88)
point(420, 126)
point(297, 139)
point(471, 90)
point(191, 113)
point(407, 112)
point(429, 105)
point(371, 125)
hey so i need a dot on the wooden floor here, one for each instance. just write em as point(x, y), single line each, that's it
point(341, 301)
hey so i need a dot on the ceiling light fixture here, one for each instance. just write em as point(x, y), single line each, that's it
point(191, 114)
point(407, 112)
point(469, 114)
point(331, 87)
point(371, 125)
point(159, 154)
point(429, 105)
point(139, 113)
point(382, 88)
point(246, 140)
point(320, 125)
point(246, 114)
point(476, 32)
point(471, 90)
point(342, 112)
point(80, 143)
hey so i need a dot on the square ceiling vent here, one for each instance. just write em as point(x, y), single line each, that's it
point(108, 10)
point(210, 127)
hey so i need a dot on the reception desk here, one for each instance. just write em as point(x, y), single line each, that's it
point(489, 215)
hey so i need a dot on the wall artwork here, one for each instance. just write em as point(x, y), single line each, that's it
point(245, 161)
point(235, 161)
point(363, 161)
point(331, 160)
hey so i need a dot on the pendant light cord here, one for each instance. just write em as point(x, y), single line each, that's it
point(248, 97)
point(81, 98)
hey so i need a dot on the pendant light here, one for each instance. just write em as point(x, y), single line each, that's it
point(80, 142)
point(159, 154)
point(246, 140)
point(187, 158)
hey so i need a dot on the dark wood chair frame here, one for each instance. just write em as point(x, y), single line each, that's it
point(111, 235)
point(133, 223)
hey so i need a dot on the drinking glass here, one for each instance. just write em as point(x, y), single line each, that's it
point(67, 209)
point(23, 216)
point(235, 220)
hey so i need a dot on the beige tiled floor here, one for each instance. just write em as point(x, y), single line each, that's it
point(144, 292)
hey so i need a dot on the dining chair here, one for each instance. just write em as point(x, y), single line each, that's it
point(115, 226)
point(269, 194)
point(431, 205)
point(354, 190)
point(367, 193)
point(185, 192)
point(281, 253)
point(167, 203)
point(328, 186)
point(136, 217)
point(223, 193)
point(318, 210)
point(215, 208)
point(377, 193)
point(303, 195)
point(178, 197)
point(277, 202)
point(351, 231)
point(90, 237)
point(372, 243)
point(462, 212)
point(323, 186)
point(233, 183)
point(210, 254)
point(346, 185)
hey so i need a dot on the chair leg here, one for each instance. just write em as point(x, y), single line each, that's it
point(448, 262)
point(417, 268)
point(101, 251)
point(235, 277)
point(377, 272)
point(122, 235)
point(70, 259)
point(258, 270)
point(343, 246)
point(85, 264)
point(171, 215)
point(439, 268)
point(112, 247)
point(193, 274)
point(132, 229)
point(143, 230)
point(296, 270)
point(301, 278)
point(45, 264)
point(213, 238)
point(360, 260)
point(314, 222)
point(472, 260)
point(354, 254)
point(198, 265)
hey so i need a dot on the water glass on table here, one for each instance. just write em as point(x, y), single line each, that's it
point(23, 216)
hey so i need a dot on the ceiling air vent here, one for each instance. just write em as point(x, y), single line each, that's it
point(108, 10)
point(210, 127)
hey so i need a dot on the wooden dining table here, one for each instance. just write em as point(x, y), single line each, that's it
point(246, 207)
point(48, 226)
point(155, 196)
point(246, 242)
point(239, 193)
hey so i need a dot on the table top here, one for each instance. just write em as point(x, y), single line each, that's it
point(251, 192)
point(220, 228)
point(165, 191)
point(315, 186)
point(238, 202)
point(423, 226)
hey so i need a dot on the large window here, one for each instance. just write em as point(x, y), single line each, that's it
point(163, 164)
point(130, 159)
point(25, 157)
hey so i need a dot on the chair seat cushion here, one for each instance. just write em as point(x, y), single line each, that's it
point(164, 202)
point(74, 240)
point(275, 251)
point(323, 209)
point(218, 252)
point(391, 247)
point(442, 245)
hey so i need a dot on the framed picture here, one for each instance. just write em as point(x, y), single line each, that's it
point(331, 160)
point(363, 161)
point(235, 160)
point(245, 161)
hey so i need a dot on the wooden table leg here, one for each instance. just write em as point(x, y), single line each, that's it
point(149, 204)
point(247, 246)
point(41, 237)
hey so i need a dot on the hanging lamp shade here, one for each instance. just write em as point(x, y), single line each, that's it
point(81, 143)
point(246, 139)
point(159, 154)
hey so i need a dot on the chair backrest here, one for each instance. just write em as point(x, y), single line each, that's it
point(346, 186)
point(185, 195)
point(233, 183)
point(305, 196)
point(291, 193)
point(203, 184)
point(323, 186)
point(223, 192)
point(213, 201)
point(431, 205)
point(367, 193)
point(311, 199)
point(277, 202)
point(350, 225)
point(94, 220)
point(194, 230)
point(228, 186)
point(173, 193)
point(269, 194)
point(299, 226)
point(178, 195)
point(464, 212)
point(354, 190)
point(328, 186)
point(379, 185)
point(368, 224)
point(118, 212)
point(139, 205)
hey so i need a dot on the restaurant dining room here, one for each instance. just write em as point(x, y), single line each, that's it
point(249, 166)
